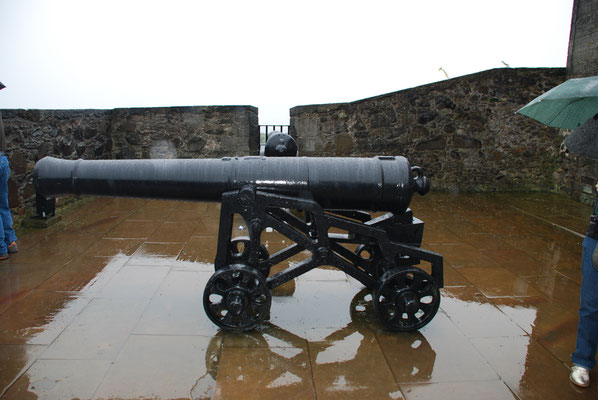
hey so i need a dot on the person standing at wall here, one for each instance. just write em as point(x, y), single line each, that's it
point(8, 238)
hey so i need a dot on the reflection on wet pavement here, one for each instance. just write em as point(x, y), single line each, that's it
point(108, 305)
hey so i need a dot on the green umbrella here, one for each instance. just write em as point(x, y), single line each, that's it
point(567, 106)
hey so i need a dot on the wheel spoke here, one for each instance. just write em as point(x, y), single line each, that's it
point(385, 306)
point(398, 282)
point(244, 319)
point(412, 319)
point(216, 289)
point(256, 293)
point(257, 309)
point(228, 280)
point(389, 312)
point(395, 319)
point(419, 282)
point(245, 280)
point(216, 309)
point(388, 293)
point(228, 320)
point(426, 289)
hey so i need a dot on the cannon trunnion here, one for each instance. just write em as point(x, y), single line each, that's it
point(320, 204)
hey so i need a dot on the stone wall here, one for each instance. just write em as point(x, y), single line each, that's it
point(582, 59)
point(578, 175)
point(171, 132)
point(462, 131)
point(185, 132)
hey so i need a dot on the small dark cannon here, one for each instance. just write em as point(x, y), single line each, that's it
point(334, 195)
point(280, 145)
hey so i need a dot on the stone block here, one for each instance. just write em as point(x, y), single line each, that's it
point(162, 149)
point(436, 143)
point(466, 142)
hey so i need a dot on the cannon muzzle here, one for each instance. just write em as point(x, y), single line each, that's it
point(375, 184)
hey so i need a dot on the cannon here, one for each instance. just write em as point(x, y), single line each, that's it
point(280, 145)
point(337, 226)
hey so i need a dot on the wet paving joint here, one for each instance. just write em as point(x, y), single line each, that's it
point(107, 304)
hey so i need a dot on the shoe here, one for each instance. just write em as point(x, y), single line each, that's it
point(580, 376)
point(3, 256)
point(12, 248)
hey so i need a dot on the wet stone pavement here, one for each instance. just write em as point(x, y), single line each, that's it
point(108, 305)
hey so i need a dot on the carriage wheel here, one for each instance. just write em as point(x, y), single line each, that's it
point(237, 298)
point(406, 299)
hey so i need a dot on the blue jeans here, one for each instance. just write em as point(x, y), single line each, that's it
point(7, 233)
point(587, 328)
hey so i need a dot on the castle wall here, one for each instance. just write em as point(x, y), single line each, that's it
point(582, 60)
point(464, 131)
point(169, 132)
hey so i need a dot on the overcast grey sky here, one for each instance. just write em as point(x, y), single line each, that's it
point(270, 54)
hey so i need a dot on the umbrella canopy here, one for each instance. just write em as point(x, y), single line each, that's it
point(567, 106)
point(583, 141)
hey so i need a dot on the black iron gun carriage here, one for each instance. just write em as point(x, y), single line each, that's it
point(334, 194)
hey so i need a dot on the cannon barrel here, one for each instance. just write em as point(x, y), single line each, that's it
point(375, 184)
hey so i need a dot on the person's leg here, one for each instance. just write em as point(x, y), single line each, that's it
point(9, 232)
point(4, 172)
point(587, 328)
